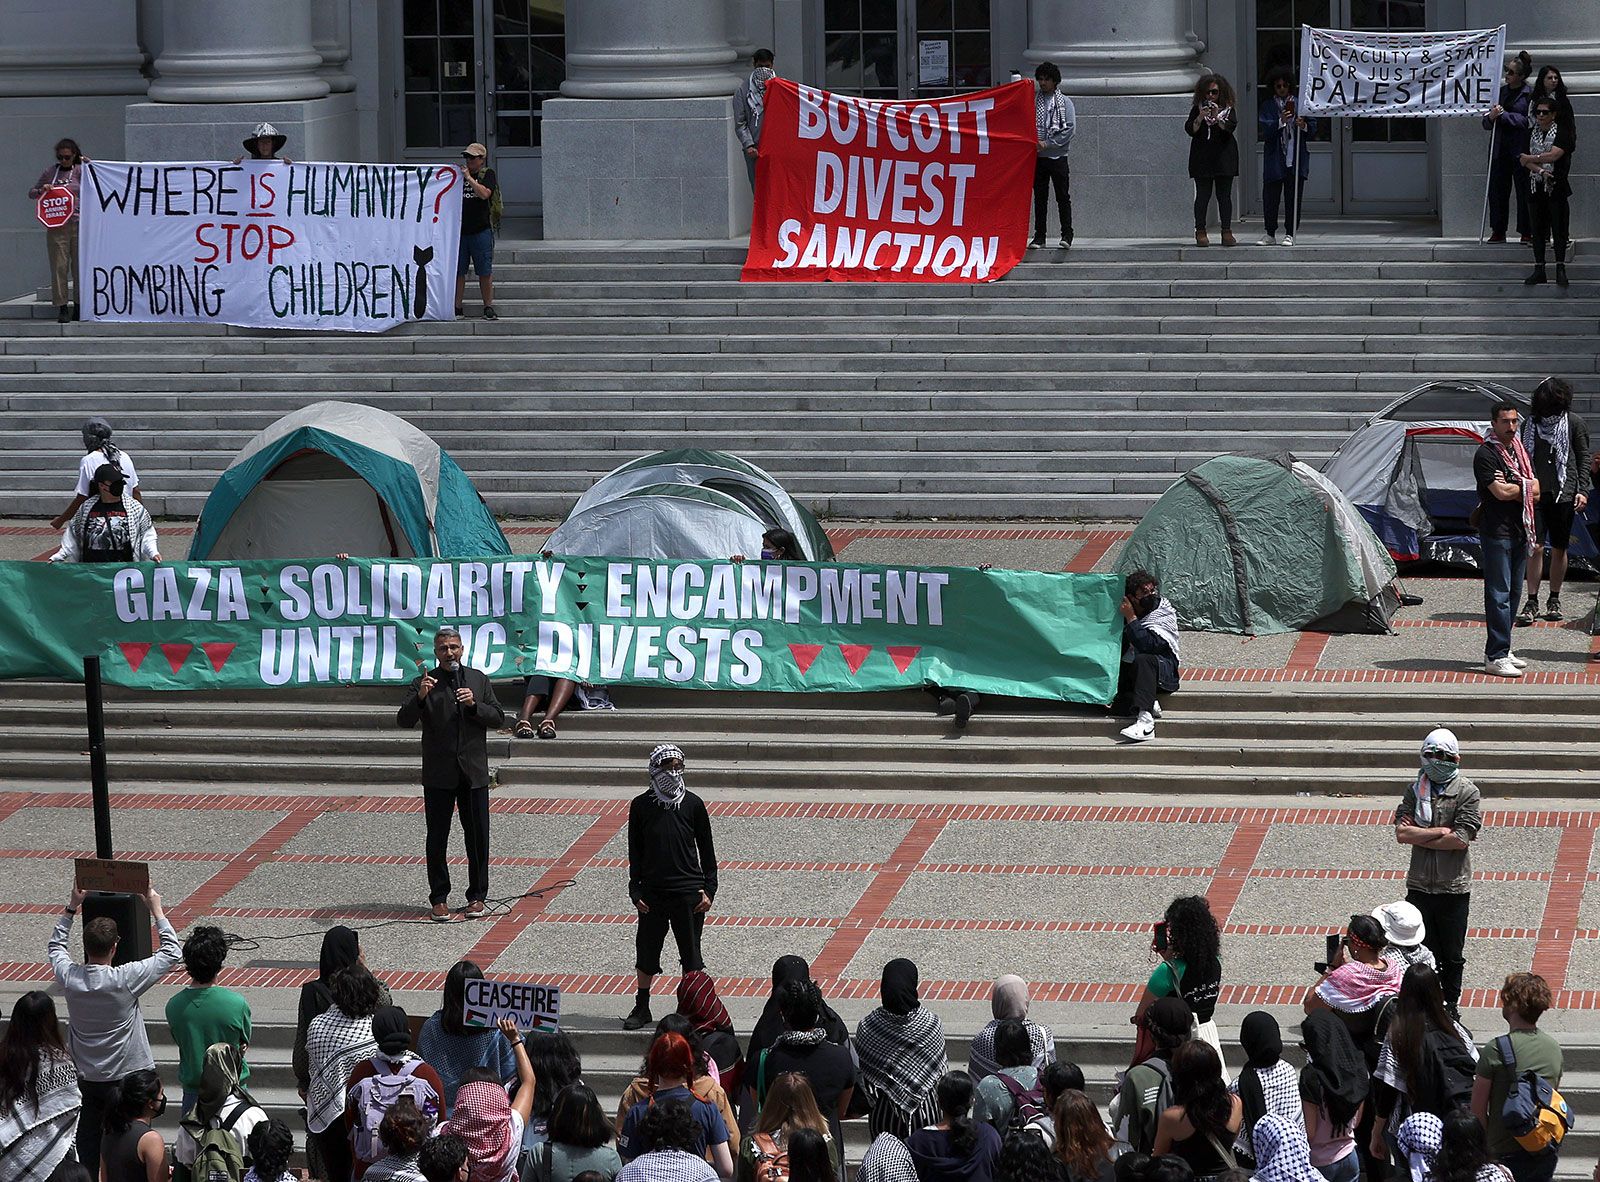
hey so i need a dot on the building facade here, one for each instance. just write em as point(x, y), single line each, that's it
point(612, 119)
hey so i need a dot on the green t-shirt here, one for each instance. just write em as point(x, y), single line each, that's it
point(200, 1016)
point(1535, 1051)
point(1165, 980)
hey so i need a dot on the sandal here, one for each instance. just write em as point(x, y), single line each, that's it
point(547, 729)
point(524, 729)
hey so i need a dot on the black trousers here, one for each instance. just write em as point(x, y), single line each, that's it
point(1445, 918)
point(333, 1147)
point(1139, 680)
point(97, 1097)
point(687, 924)
point(1222, 186)
point(1291, 196)
point(1047, 172)
point(1551, 216)
point(1506, 176)
point(473, 803)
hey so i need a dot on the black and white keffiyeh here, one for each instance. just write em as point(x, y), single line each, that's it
point(1419, 1138)
point(887, 1160)
point(335, 1043)
point(1553, 431)
point(666, 783)
point(36, 1138)
point(902, 1056)
point(759, 77)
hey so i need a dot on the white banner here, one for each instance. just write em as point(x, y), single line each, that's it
point(269, 245)
point(1408, 74)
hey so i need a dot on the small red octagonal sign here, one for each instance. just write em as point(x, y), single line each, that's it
point(56, 206)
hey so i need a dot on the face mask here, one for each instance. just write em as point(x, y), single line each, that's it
point(116, 487)
point(766, 554)
point(1440, 771)
point(161, 1105)
point(1148, 603)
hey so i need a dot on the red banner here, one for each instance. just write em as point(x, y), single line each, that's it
point(921, 191)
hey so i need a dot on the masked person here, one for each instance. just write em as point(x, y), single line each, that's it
point(97, 450)
point(749, 107)
point(672, 873)
point(1149, 654)
point(1439, 818)
point(112, 526)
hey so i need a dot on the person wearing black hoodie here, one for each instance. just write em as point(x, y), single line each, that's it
point(770, 1026)
point(958, 1148)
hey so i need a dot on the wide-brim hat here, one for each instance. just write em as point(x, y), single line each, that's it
point(266, 129)
point(1402, 923)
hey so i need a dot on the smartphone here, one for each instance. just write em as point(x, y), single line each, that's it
point(1160, 941)
point(1334, 939)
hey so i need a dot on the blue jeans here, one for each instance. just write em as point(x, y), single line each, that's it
point(1532, 1167)
point(1505, 560)
point(1346, 1169)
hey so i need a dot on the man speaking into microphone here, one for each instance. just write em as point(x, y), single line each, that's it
point(457, 708)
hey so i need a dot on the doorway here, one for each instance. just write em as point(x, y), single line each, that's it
point(481, 70)
point(903, 49)
point(1359, 167)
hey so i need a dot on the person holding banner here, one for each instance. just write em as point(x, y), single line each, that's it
point(61, 242)
point(1508, 121)
point(1213, 154)
point(478, 218)
point(1548, 161)
point(1286, 158)
point(749, 105)
point(264, 143)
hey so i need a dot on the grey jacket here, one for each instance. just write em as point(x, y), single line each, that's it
point(105, 1030)
point(1455, 806)
point(746, 121)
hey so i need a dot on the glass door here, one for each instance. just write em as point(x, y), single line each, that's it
point(481, 70)
point(896, 49)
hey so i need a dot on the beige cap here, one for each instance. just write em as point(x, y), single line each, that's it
point(475, 150)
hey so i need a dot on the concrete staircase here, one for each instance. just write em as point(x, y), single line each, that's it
point(1528, 742)
point(1079, 386)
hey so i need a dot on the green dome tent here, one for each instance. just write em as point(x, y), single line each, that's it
point(338, 477)
point(1261, 544)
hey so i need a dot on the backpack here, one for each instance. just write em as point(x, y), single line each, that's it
point(218, 1157)
point(1447, 1071)
point(497, 207)
point(1027, 1104)
point(1534, 1113)
point(376, 1094)
point(771, 1164)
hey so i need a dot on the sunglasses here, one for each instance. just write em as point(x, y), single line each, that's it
point(1442, 756)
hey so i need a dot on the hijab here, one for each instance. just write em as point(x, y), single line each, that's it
point(899, 989)
point(666, 784)
point(698, 1001)
point(1336, 1074)
point(1261, 1039)
point(1010, 998)
point(482, 1118)
point(1282, 1152)
point(770, 1025)
point(391, 1030)
point(219, 1080)
point(341, 948)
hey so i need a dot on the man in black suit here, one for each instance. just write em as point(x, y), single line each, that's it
point(457, 708)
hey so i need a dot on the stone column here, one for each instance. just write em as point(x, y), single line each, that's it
point(226, 65)
point(1114, 47)
point(1562, 32)
point(330, 36)
point(640, 144)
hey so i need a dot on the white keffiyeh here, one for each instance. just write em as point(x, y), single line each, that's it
point(758, 92)
point(666, 783)
point(36, 1138)
point(1553, 431)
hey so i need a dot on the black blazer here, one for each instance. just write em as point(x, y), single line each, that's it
point(1213, 151)
point(454, 737)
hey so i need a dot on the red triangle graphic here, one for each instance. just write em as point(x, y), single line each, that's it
point(218, 652)
point(805, 654)
point(903, 654)
point(134, 654)
point(855, 654)
point(176, 654)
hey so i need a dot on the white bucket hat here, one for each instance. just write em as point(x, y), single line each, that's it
point(1402, 923)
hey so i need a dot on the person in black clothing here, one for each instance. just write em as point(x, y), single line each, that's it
point(1507, 494)
point(672, 873)
point(111, 526)
point(1551, 142)
point(1213, 154)
point(804, 1047)
point(477, 231)
point(457, 708)
point(1508, 123)
point(1149, 654)
point(1558, 443)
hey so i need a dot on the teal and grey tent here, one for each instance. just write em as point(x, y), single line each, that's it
point(338, 477)
point(688, 503)
point(1261, 544)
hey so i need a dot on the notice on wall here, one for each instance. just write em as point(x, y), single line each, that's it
point(1399, 74)
point(265, 244)
point(529, 1005)
point(924, 191)
point(933, 63)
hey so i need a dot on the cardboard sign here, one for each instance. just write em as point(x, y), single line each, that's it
point(56, 206)
point(112, 874)
point(530, 1006)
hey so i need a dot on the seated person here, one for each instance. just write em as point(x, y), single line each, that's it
point(553, 693)
point(1149, 654)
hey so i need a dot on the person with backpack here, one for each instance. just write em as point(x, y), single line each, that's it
point(213, 1135)
point(1204, 1118)
point(1333, 1094)
point(790, 1107)
point(1268, 1083)
point(955, 1148)
point(1054, 1081)
point(480, 219)
point(1009, 999)
point(803, 1048)
point(671, 1070)
point(1427, 1061)
point(1083, 1144)
point(1012, 1098)
point(1504, 1065)
point(404, 1130)
point(375, 1085)
point(1146, 1088)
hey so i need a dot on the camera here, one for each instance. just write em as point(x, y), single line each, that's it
point(1334, 939)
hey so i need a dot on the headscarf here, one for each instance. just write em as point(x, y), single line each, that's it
point(97, 437)
point(1516, 458)
point(1010, 998)
point(1419, 1139)
point(770, 1025)
point(1435, 771)
point(391, 1030)
point(1552, 429)
point(1282, 1152)
point(482, 1118)
point(698, 1001)
point(219, 1081)
point(1335, 1067)
point(1261, 1039)
point(887, 1160)
point(899, 990)
point(341, 948)
point(667, 785)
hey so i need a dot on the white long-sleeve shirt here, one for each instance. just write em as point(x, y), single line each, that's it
point(105, 1030)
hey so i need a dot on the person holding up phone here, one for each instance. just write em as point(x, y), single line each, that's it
point(1189, 945)
point(1213, 154)
point(1149, 654)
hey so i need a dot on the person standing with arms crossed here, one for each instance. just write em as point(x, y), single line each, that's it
point(457, 708)
point(672, 873)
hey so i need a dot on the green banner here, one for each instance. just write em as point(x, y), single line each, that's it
point(699, 625)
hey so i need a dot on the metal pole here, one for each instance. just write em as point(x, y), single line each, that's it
point(1483, 224)
point(94, 700)
point(1294, 170)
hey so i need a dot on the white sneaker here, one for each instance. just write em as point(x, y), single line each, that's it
point(1503, 667)
point(1144, 727)
point(1267, 240)
point(1155, 710)
point(1288, 239)
point(1516, 660)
